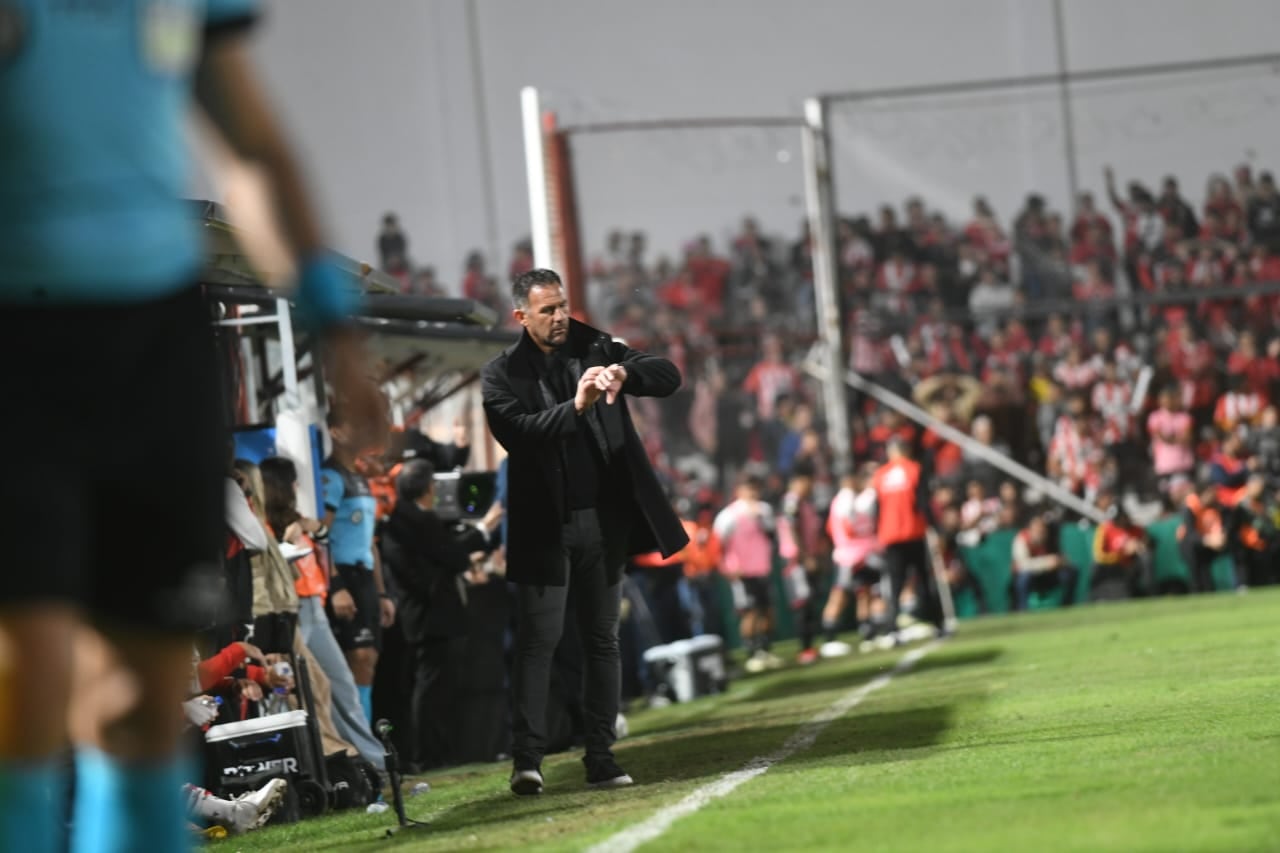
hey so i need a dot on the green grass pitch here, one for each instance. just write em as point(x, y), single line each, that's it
point(1151, 725)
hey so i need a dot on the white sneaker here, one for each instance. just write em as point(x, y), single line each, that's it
point(835, 649)
point(526, 783)
point(772, 661)
point(254, 809)
point(755, 663)
point(916, 632)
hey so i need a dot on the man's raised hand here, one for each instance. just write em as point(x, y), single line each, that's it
point(610, 380)
point(589, 389)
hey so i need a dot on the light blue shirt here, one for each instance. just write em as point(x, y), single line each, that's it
point(93, 157)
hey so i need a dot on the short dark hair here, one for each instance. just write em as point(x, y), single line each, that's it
point(527, 281)
point(415, 480)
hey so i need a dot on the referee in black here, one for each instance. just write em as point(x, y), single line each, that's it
point(582, 498)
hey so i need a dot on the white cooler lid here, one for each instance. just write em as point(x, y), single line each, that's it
point(256, 725)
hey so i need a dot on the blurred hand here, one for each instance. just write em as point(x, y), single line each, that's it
point(356, 389)
point(610, 381)
point(250, 690)
point(386, 612)
point(461, 434)
point(1215, 539)
point(344, 606)
point(253, 653)
point(588, 390)
point(275, 679)
point(200, 711)
point(293, 533)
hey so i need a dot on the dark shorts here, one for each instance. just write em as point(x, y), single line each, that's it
point(114, 461)
point(752, 594)
point(364, 631)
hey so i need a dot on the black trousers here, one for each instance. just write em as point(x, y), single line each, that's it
point(541, 613)
point(434, 704)
point(912, 556)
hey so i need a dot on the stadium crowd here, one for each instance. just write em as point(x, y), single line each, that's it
point(1028, 338)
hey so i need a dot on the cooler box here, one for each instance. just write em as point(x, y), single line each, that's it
point(689, 668)
point(243, 755)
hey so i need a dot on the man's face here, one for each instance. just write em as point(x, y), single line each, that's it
point(546, 318)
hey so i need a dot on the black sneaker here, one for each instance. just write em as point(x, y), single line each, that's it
point(607, 774)
point(526, 783)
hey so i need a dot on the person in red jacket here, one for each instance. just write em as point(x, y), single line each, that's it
point(901, 527)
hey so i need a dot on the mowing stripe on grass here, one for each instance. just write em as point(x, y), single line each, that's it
point(647, 830)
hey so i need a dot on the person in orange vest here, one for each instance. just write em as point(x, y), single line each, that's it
point(902, 525)
point(1202, 536)
point(701, 565)
point(1257, 541)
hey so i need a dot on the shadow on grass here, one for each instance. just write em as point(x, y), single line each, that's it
point(850, 677)
point(857, 739)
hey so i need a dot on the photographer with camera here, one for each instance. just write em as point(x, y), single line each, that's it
point(431, 564)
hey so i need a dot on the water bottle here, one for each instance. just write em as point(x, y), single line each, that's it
point(278, 701)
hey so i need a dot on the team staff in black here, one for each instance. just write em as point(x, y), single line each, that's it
point(582, 498)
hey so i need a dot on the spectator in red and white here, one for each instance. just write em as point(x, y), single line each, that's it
point(1220, 199)
point(985, 232)
point(895, 282)
point(1194, 363)
point(1111, 398)
point(1088, 218)
point(1002, 360)
point(1075, 455)
point(1143, 224)
point(1018, 337)
point(1039, 566)
point(1092, 288)
point(1171, 430)
point(951, 354)
point(1056, 339)
point(771, 377)
point(1097, 247)
point(1260, 372)
point(1175, 209)
point(988, 296)
point(856, 251)
point(1204, 268)
point(1264, 213)
point(710, 274)
point(946, 456)
point(980, 512)
point(1075, 373)
point(1240, 406)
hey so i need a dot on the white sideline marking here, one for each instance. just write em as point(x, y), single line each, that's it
point(647, 830)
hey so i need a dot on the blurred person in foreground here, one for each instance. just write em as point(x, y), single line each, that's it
point(581, 498)
point(99, 255)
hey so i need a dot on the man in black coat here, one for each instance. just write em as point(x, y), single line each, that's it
point(582, 497)
point(428, 562)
